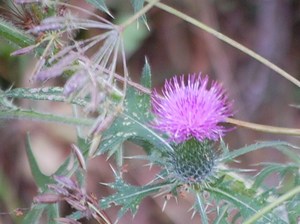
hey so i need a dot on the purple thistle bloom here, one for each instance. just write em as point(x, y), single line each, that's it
point(192, 110)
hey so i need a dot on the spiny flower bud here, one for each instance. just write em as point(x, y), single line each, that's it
point(192, 161)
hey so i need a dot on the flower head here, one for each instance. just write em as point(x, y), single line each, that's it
point(191, 111)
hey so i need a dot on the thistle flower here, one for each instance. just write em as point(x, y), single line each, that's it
point(192, 110)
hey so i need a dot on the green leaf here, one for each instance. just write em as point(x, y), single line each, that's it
point(133, 37)
point(40, 179)
point(293, 206)
point(274, 204)
point(100, 4)
point(293, 209)
point(246, 204)
point(46, 93)
point(146, 76)
point(14, 35)
point(6, 104)
point(222, 215)
point(134, 122)
point(76, 215)
point(33, 216)
point(227, 157)
point(8, 196)
point(286, 150)
point(128, 196)
point(52, 213)
point(37, 116)
point(137, 6)
point(199, 206)
point(272, 168)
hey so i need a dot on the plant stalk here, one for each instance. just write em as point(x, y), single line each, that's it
point(227, 40)
point(273, 205)
point(264, 128)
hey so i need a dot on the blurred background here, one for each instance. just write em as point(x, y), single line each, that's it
point(173, 47)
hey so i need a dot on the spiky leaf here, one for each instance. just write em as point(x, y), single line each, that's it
point(279, 145)
point(293, 209)
point(273, 168)
point(200, 207)
point(129, 196)
point(33, 216)
point(222, 215)
point(242, 199)
point(36, 211)
point(52, 213)
point(46, 93)
point(40, 179)
point(6, 114)
point(14, 35)
point(137, 6)
point(134, 122)
point(100, 4)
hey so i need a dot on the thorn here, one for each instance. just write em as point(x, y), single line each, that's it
point(79, 156)
point(149, 164)
point(206, 207)
point(164, 205)
point(147, 25)
point(94, 145)
point(160, 177)
point(124, 168)
point(191, 208)
point(114, 171)
point(193, 214)
point(117, 220)
point(104, 184)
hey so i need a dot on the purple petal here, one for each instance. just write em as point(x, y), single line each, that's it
point(191, 110)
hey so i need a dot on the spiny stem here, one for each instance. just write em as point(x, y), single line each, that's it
point(139, 14)
point(202, 212)
point(273, 205)
point(228, 41)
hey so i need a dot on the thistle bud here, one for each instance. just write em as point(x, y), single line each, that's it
point(192, 161)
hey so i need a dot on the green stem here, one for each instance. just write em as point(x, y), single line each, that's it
point(273, 205)
point(11, 33)
point(32, 115)
point(139, 14)
point(228, 41)
point(202, 212)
